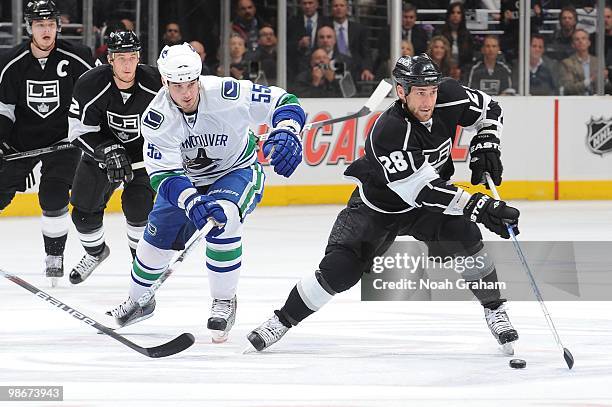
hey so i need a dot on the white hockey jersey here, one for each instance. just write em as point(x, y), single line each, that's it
point(214, 141)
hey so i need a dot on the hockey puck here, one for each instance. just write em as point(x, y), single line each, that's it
point(518, 364)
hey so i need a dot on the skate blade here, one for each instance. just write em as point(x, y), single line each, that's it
point(132, 322)
point(249, 349)
point(508, 348)
point(53, 281)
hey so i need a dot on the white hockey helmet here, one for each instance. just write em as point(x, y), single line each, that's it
point(179, 63)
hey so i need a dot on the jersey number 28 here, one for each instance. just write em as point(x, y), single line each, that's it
point(394, 163)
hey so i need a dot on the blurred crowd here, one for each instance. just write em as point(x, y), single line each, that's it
point(339, 51)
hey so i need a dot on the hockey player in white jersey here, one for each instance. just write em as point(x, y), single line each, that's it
point(202, 160)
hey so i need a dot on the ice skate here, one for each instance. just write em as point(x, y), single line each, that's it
point(54, 269)
point(267, 333)
point(222, 318)
point(87, 265)
point(129, 312)
point(501, 328)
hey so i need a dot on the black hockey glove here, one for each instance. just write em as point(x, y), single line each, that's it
point(1, 160)
point(493, 214)
point(118, 166)
point(485, 157)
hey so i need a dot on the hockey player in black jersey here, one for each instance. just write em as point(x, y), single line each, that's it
point(36, 81)
point(403, 189)
point(104, 121)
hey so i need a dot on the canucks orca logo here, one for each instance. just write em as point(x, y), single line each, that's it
point(153, 119)
point(200, 162)
point(231, 90)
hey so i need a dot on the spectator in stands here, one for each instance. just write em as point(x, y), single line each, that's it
point(458, 36)
point(561, 46)
point(509, 22)
point(352, 40)
point(578, 72)
point(239, 65)
point(247, 23)
point(440, 52)
point(411, 32)
point(586, 16)
point(607, 40)
point(265, 55)
point(319, 81)
point(542, 81)
point(301, 32)
point(490, 75)
point(407, 49)
point(326, 39)
point(201, 50)
point(172, 34)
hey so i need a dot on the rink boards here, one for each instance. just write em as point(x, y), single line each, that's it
point(552, 148)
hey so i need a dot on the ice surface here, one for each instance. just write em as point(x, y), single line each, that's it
point(348, 354)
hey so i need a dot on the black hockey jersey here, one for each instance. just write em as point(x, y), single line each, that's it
point(100, 112)
point(407, 163)
point(34, 101)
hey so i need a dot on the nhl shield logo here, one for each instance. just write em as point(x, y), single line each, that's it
point(599, 136)
point(43, 97)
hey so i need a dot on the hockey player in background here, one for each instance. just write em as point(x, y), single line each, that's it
point(36, 82)
point(403, 189)
point(104, 121)
point(202, 160)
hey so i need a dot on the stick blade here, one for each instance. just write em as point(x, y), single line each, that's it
point(569, 358)
point(380, 93)
point(178, 344)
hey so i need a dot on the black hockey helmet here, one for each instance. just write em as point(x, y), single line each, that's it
point(41, 10)
point(123, 41)
point(418, 70)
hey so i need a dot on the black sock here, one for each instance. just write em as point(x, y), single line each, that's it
point(54, 246)
point(489, 298)
point(294, 310)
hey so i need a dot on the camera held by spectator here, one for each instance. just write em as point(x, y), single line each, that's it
point(339, 68)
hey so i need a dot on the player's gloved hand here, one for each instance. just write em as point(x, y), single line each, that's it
point(118, 165)
point(1, 160)
point(493, 214)
point(286, 150)
point(485, 157)
point(201, 207)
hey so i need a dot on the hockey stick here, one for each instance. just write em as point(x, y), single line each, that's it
point(176, 345)
point(178, 259)
point(38, 151)
point(567, 355)
point(379, 94)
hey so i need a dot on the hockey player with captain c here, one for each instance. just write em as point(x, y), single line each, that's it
point(36, 83)
point(404, 189)
point(202, 160)
point(104, 121)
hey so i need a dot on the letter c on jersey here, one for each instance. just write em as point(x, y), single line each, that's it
point(60, 72)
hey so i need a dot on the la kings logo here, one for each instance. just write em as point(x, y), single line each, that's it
point(436, 157)
point(125, 127)
point(599, 136)
point(43, 97)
